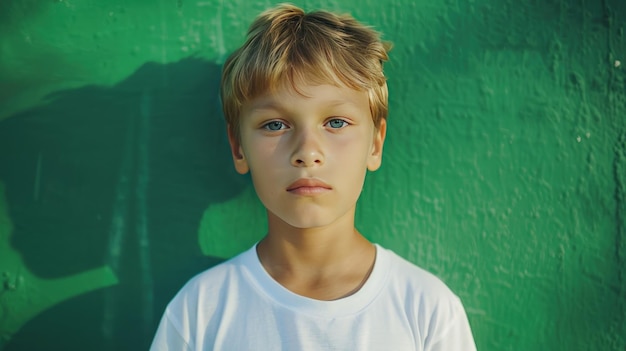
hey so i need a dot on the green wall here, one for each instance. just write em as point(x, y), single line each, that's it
point(504, 170)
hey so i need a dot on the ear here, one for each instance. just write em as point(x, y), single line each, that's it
point(241, 165)
point(375, 158)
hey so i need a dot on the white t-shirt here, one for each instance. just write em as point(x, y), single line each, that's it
point(238, 306)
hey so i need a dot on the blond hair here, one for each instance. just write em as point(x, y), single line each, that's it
point(287, 45)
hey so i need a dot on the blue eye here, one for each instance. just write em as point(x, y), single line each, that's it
point(274, 125)
point(337, 123)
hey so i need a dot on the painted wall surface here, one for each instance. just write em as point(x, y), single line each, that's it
point(504, 169)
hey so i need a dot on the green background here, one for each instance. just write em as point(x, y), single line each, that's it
point(504, 169)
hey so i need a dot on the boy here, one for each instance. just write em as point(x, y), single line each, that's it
point(305, 100)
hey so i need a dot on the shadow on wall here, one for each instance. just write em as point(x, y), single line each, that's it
point(116, 176)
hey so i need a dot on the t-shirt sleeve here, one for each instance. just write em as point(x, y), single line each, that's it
point(168, 336)
point(450, 329)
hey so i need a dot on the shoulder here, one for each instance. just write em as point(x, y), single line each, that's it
point(437, 311)
point(202, 302)
point(424, 294)
point(415, 279)
point(198, 303)
point(207, 288)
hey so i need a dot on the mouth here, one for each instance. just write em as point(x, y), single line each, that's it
point(308, 186)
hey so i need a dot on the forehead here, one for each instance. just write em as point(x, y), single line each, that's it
point(307, 96)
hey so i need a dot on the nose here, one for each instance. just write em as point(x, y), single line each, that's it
point(307, 150)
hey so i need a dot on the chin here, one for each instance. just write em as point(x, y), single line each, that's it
point(310, 217)
point(310, 220)
point(308, 224)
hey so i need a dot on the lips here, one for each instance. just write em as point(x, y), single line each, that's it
point(308, 186)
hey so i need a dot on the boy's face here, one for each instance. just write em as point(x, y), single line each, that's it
point(308, 152)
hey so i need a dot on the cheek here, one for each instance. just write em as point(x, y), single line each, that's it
point(260, 152)
point(355, 147)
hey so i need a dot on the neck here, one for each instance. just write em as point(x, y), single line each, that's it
point(315, 248)
point(324, 263)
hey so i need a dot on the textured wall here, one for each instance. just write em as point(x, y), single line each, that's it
point(504, 172)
